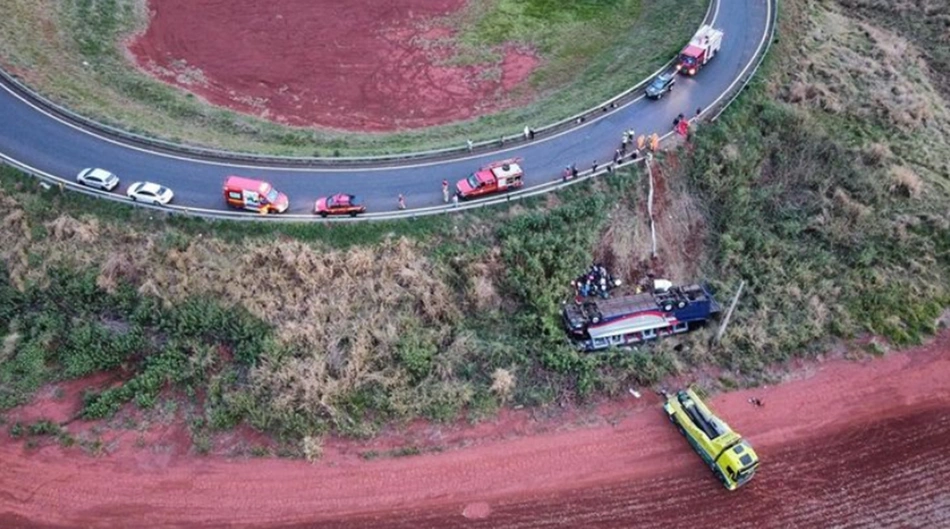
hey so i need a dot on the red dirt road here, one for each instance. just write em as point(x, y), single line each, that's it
point(848, 444)
point(363, 65)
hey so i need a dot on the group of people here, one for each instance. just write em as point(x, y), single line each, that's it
point(597, 281)
point(629, 141)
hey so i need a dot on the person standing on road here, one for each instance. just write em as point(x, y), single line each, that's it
point(445, 191)
point(402, 201)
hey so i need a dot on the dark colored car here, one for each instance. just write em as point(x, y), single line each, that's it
point(339, 204)
point(661, 85)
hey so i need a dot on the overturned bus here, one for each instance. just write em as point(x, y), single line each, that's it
point(624, 320)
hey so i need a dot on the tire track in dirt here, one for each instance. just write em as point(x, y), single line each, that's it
point(821, 483)
point(852, 444)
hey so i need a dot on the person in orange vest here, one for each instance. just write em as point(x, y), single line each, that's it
point(654, 142)
point(641, 142)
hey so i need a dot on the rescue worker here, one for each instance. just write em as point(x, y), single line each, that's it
point(445, 191)
point(683, 128)
point(402, 201)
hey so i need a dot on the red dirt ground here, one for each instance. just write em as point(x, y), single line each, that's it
point(846, 444)
point(361, 65)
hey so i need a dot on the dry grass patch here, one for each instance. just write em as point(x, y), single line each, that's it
point(503, 383)
point(905, 181)
point(876, 80)
point(340, 313)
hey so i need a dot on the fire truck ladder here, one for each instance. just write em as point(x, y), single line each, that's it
point(699, 419)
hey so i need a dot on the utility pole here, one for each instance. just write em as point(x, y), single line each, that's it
point(725, 321)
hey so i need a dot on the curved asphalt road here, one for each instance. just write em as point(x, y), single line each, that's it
point(41, 141)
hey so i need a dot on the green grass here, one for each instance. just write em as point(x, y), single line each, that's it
point(623, 41)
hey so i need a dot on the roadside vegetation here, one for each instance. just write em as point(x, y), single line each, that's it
point(74, 53)
point(836, 214)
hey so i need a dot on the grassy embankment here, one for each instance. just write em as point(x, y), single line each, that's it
point(72, 51)
point(835, 211)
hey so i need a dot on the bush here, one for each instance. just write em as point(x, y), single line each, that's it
point(543, 252)
point(415, 351)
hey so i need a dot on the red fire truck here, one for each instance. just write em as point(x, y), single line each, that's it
point(498, 176)
point(704, 46)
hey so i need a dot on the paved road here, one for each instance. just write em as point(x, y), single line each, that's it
point(48, 144)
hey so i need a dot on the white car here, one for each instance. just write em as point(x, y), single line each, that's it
point(98, 178)
point(150, 193)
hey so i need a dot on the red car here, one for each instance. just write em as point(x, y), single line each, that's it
point(339, 204)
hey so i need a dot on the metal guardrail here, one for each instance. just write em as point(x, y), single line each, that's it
point(553, 185)
point(216, 154)
point(213, 214)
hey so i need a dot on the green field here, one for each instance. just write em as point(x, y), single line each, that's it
point(77, 59)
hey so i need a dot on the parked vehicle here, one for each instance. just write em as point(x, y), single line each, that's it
point(730, 457)
point(339, 204)
point(150, 193)
point(622, 320)
point(492, 178)
point(662, 84)
point(704, 46)
point(98, 178)
point(254, 195)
